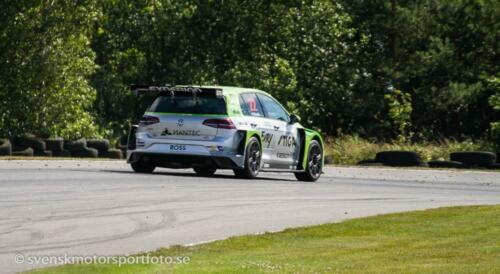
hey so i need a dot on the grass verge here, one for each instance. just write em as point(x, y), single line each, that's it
point(445, 240)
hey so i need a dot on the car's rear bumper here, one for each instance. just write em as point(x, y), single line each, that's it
point(184, 161)
point(175, 153)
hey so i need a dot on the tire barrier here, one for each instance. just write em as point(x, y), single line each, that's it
point(85, 153)
point(102, 146)
point(54, 144)
point(24, 142)
point(399, 158)
point(33, 146)
point(61, 153)
point(475, 158)
point(23, 152)
point(77, 145)
point(5, 147)
point(368, 162)
point(114, 154)
point(446, 164)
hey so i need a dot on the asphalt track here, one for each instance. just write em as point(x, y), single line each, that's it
point(102, 208)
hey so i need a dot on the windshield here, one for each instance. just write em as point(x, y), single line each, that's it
point(189, 104)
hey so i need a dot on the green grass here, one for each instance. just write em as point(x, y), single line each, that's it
point(349, 150)
point(445, 240)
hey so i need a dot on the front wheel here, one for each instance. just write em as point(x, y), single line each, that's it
point(314, 165)
point(253, 158)
point(206, 172)
point(142, 167)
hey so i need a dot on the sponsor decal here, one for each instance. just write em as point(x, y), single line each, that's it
point(283, 155)
point(180, 122)
point(181, 132)
point(178, 147)
point(286, 141)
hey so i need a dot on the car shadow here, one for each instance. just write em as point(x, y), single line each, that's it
point(179, 174)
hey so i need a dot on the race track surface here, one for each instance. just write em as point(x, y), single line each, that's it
point(103, 208)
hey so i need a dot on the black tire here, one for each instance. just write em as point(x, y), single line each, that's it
point(495, 166)
point(28, 152)
point(5, 147)
point(101, 145)
point(85, 153)
point(29, 141)
point(399, 158)
point(314, 165)
point(253, 158)
point(203, 171)
point(77, 145)
point(142, 167)
point(61, 153)
point(475, 158)
point(446, 164)
point(114, 154)
point(42, 153)
point(54, 144)
point(367, 162)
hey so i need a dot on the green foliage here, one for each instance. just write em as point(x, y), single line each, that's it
point(400, 110)
point(45, 49)
point(494, 101)
point(68, 65)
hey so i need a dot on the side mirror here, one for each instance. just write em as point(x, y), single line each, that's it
point(294, 119)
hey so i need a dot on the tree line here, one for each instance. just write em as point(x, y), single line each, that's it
point(409, 69)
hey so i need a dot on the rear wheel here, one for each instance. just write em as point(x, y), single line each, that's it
point(142, 167)
point(253, 158)
point(314, 165)
point(201, 171)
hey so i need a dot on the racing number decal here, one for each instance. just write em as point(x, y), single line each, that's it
point(267, 138)
point(252, 104)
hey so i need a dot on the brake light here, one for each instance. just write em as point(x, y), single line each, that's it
point(226, 123)
point(147, 120)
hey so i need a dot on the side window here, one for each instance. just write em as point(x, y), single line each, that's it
point(273, 109)
point(250, 105)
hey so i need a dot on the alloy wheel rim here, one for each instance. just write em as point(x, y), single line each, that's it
point(254, 159)
point(315, 163)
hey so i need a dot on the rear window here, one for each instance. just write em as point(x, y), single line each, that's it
point(189, 104)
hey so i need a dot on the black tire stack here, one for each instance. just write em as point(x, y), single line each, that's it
point(79, 149)
point(57, 147)
point(103, 148)
point(394, 158)
point(474, 159)
point(30, 146)
point(469, 159)
point(5, 147)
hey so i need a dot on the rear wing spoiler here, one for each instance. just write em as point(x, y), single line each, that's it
point(172, 90)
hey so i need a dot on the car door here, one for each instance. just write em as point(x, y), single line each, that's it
point(255, 118)
point(286, 137)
